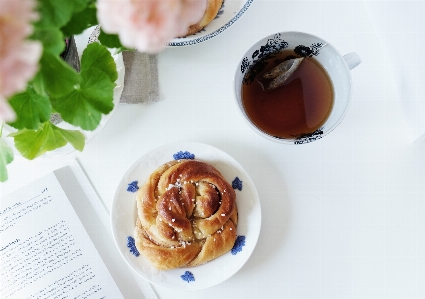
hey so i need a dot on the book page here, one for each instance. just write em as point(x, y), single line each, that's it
point(92, 213)
point(45, 251)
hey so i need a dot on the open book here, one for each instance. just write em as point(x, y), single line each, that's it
point(55, 243)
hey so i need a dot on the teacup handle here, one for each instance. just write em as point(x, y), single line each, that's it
point(352, 60)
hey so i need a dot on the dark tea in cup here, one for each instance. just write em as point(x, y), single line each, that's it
point(300, 106)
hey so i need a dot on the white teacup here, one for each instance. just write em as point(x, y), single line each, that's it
point(337, 67)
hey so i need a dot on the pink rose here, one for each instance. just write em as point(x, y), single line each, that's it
point(147, 25)
point(18, 56)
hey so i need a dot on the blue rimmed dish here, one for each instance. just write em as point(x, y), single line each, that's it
point(124, 214)
point(228, 14)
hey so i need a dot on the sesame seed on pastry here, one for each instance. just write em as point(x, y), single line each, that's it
point(187, 215)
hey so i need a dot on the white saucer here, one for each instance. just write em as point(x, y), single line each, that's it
point(124, 213)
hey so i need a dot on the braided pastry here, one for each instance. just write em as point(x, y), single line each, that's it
point(187, 215)
point(213, 6)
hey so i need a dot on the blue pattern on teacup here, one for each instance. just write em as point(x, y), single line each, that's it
point(304, 51)
point(254, 65)
point(251, 67)
point(309, 137)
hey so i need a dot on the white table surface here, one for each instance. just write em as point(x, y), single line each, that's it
point(343, 217)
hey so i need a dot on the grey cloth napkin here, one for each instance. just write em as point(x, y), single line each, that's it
point(141, 75)
point(141, 78)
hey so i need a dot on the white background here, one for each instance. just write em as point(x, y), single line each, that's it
point(343, 217)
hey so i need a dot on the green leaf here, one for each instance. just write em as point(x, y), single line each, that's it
point(31, 109)
point(32, 144)
point(80, 21)
point(6, 157)
point(109, 40)
point(96, 56)
point(51, 38)
point(74, 137)
point(38, 84)
point(59, 78)
point(54, 13)
point(85, 104)
point(112, 41)
point(57, 13)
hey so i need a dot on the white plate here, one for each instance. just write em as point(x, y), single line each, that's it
point(228, 14)
point(124, 213)
point(82, 42)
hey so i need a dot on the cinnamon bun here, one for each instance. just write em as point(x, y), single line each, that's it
point(213, 6)
point(187, 215)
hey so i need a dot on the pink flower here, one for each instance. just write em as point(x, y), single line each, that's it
point(147, 25)
point(18, 56)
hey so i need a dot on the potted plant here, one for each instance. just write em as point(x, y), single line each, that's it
point(32, 39)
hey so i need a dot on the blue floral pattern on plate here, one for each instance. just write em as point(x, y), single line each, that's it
point(237, 184)
point(239, 243)
point(188, 276)
point(132, 187)
point(183, 155)
point(131, 244)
